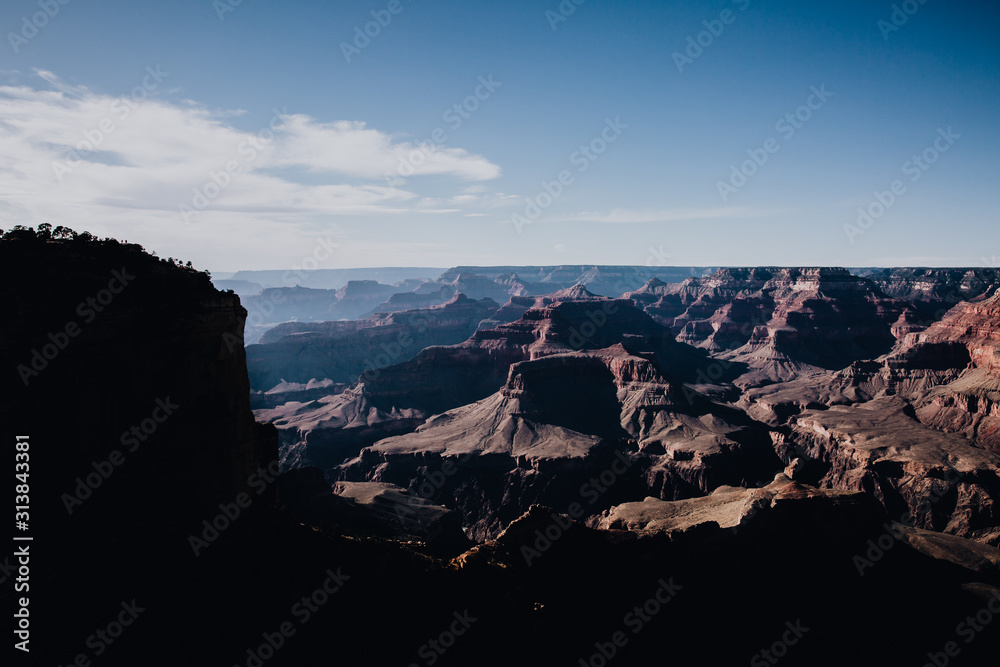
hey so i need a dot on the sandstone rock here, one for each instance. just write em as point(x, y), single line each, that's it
point(736, 508)
point(782, 323)
point(949, 371)
point(942, 481)
point(562, 420)
point(342, 351)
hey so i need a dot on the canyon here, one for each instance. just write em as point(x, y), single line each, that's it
point(771, 445)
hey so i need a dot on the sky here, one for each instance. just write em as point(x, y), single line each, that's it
point(255, 134)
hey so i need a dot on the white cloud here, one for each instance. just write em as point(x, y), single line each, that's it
point(141, 156)
point(352, 148)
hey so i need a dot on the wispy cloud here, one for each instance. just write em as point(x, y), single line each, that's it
point(353, 149)
point(631, 216)
point(75, 156)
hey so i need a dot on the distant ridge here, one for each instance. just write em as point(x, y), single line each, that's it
point(582, 273)
point(331, 278)
point(588, 274)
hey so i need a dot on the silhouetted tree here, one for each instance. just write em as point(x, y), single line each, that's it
point(45, 231)
point(21, 233)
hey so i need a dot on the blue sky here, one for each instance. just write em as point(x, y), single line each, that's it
point(649, 192)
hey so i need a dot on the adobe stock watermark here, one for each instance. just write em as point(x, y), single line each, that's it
point(30, 27)
point(88, 310)
point(779, 649)
point(218, 181)
point(658, 257)
point(454, 116)
point(751, 507)
point(381, 18)
point(104, 637)
point(7, 569)
point(596, 319)
point(590, 492)
point(22, 624)
point(716, 370)
point(132, 439)
point(565, 9)
point(696, 44)
point(262, 309)
point(967, 630)
point(223, 7)
point(901, 13)
point(94, 137)
point(392, 352)
point(892, 534)
point(787, 125)
point(433, 482)
point(230, 512)
point(432, 650)
point(709, 375)
point(302, 611)
point(582, 158)
point(636, 620)
point(915, 168)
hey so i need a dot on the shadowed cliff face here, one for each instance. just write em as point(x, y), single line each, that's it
point(155, 347)
point(137, 410)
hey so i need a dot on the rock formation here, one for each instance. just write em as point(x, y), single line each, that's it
point(559, 421)
point(399, 397)
point(932, 292)
point(343, 351)
point(781, 323)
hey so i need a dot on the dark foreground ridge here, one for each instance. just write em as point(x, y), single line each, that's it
point(162, 534)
